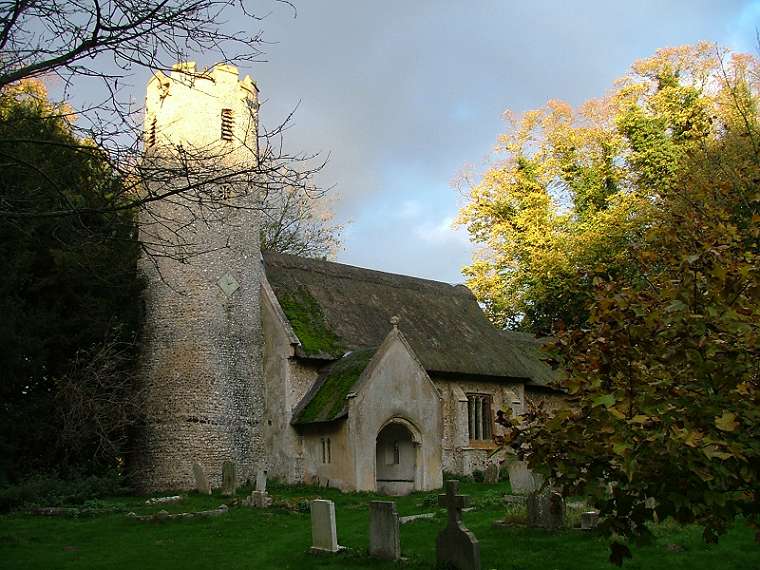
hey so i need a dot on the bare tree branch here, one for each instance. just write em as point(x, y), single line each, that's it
point(70, 39)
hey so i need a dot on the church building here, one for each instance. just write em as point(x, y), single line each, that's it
point(377, 381)
point(318, 372)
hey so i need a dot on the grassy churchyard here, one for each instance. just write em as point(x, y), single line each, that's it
point(279, 537)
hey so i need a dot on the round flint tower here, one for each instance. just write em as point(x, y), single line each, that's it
point(200, 365)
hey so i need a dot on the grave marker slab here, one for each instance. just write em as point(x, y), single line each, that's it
point(589, 520)
point(492, 474)
point(258, 500)
point(229, 478)
point(522, 480)
point(455, 545)
point(324, 536)
point(201, 481)
point(546, 510)
point(261, 481)
point(384, 541)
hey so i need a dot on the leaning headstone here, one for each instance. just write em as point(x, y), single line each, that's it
point(261, 481)
point(201, 481)
point(229, 478)
point(522, 480)
point(492, 474)
point(384, 541)
point(456, 546)
point(589, 520)
point(324, 536)
point(546, 510)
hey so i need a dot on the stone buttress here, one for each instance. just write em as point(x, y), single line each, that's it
point(201, 363)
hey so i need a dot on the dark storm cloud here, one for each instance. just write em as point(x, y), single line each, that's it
point(404, 94)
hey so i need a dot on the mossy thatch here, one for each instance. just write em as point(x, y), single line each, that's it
point(334, 308)
point(309, 323)
point(327, 400)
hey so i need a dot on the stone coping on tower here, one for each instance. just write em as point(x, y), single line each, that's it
point(187, 72)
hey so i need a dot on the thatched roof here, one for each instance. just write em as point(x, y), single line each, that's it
point(335, 308)
point(326, 401)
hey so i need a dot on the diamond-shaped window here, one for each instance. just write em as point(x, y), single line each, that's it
point(228, 284)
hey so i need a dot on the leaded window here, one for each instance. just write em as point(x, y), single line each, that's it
point(479, 416)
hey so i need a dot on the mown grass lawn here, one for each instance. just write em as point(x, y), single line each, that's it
point(279, 538)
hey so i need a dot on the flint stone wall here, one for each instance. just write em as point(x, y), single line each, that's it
point(460, 456)
point(200, 365)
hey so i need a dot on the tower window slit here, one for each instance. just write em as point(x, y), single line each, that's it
point(228, 124)
point(152, 132)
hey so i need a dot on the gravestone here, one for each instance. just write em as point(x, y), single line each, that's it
point(589, 520)
point(546, 510)
point(229, 478)
point(324, 536)
point(258, 500)
point(261, 481)
point(261, 500)
point(201, 481)
point(522, 480)
point(384, 541)
point(492, 474)
point(456, 546)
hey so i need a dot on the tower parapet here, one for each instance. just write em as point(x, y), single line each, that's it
point(200, 365)
point(210, 110)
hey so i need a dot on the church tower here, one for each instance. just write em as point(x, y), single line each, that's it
point(200, 365)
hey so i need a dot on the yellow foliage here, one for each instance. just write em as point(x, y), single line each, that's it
point(570, 190)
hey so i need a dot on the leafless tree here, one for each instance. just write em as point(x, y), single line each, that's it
point(97, 400)
point(108, 41)
point(103, 44)
point(297, 221)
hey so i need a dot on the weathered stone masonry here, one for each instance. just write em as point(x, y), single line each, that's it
point(234, 350)
point(201, 344)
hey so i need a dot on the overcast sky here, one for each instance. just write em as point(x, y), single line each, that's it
point(404, 94)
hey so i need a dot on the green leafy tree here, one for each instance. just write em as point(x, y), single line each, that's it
point(573, 190)
point(663, 376)
point(68, 293)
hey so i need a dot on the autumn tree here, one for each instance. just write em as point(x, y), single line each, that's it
point(663, 370)
point(572, 190)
